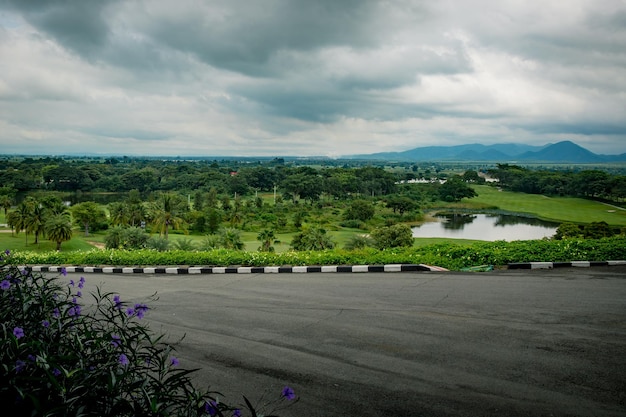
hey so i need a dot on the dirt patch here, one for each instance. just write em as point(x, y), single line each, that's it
point(98, 245)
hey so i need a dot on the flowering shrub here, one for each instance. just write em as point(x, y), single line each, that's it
point(448, 255)
point(60, 356)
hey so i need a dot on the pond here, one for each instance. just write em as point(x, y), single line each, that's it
point(490, 227)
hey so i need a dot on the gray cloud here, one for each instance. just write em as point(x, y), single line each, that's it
point(80, 25)
point(252, 76)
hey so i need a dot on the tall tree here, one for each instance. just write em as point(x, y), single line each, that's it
point(59, 229)
point(22, 214)
point(455, 189)
point(88, 213)
point(166, 213)
point(119, 213)
point(6, 202)
point(35, 222)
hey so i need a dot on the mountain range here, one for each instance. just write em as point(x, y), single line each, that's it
point(561, 152)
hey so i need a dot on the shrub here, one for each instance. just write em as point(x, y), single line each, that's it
point(158, 243)
point(360, 210)
point(448, 255)
point(393, 236)
point(126, 238)
point(209, 242)
point(61, 357)
point(312, 239)
point(184, 244)
point(359, 242)
point(352, 224)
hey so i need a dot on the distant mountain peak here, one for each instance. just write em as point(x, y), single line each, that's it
point(563, 151)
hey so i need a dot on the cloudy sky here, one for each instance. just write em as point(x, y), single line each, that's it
point(308, 77)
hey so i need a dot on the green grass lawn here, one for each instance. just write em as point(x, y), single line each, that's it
point(560, 209)
point(19, 242)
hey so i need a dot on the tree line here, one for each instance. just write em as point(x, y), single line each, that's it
point(587, 184)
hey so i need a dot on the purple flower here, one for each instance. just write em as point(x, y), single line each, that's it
point(81, 282)
point(7, 252)
point(174, 361)
point(123, 360)
point(56, 372)
point(45, 323)
point(64, 272)
point(18, 332)
point(31, 358)
point(56, 313)
point(130, 311)
point(116, 340)
point(236, 412)
point(140, 310)
point(19, 365)
point(79, 293)
point(5, 284)
point(210, 407)
point(71, 284)
point(117, 301)
point(74, 311)
point(288, 393)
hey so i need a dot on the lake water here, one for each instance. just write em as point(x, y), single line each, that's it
point(486, 227)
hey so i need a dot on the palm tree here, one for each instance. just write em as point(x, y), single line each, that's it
point(231, 239)
point(266, 237)
point(136, 213)
point(20, 219)
point(35, 222)
point(6, 202)
point(53, 205)
point(118, 213)
point(59, 229)
point(13, 220)
point(166, 214)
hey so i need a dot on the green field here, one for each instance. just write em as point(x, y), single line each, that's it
point(559, 209)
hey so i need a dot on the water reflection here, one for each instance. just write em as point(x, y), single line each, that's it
point(488, 227)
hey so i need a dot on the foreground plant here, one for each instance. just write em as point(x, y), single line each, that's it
point(60, 356)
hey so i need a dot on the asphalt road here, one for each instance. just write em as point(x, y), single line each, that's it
point(503, 343)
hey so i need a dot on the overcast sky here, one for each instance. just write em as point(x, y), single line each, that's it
point(308, 77)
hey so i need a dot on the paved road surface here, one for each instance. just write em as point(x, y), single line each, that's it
point(504, 343)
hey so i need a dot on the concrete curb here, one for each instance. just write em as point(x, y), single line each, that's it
point(550, 265)
point(240, 269)
point(189, 270)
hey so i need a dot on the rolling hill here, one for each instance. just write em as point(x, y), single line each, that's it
point(564, 152)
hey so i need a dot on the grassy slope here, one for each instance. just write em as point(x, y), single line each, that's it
point(560, 209)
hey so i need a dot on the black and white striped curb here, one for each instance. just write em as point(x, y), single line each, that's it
point(188, 270)
point(550, 265)
point(239, 269)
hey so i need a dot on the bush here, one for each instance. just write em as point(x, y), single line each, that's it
point(158, 243)
point(312, 239)
point(359, 242)
point(126, 238)
point(352, 224)
point(360, 210)
point(184, 244)
point(60, 357)
point(392, 236)
point(448, 255)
